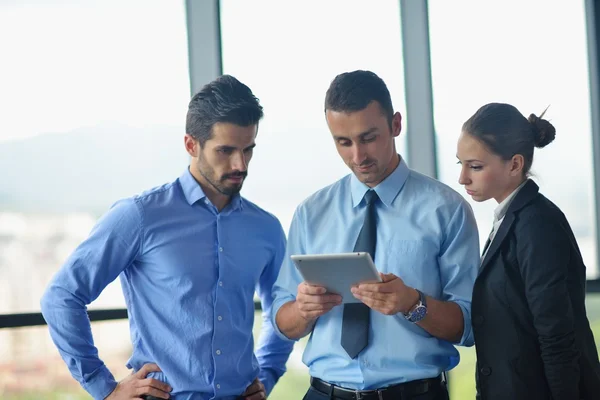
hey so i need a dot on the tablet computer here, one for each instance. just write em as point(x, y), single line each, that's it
point(337, 272)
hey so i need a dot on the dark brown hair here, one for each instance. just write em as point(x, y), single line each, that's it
point(506, 132)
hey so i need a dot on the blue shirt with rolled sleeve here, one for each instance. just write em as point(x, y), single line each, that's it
point(426, 235)
point(189, 274)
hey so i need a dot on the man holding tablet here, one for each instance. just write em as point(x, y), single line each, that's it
point(399, 339)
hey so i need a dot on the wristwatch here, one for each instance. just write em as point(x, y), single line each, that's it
point(419, 311)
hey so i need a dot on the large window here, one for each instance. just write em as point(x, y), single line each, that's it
point(93, 103)
point(531, 54)
point(288, 53)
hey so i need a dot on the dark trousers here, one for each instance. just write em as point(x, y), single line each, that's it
point(439, 392)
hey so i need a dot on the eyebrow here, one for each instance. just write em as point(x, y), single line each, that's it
point(226, 147)
point(472, 160)
point(361, 136)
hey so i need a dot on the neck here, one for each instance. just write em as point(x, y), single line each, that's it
point(218, 199)
point(511, 188)
point(388, 171)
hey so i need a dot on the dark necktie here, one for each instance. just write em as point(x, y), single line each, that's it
point(355, 322)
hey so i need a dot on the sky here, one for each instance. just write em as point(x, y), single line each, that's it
point(70, 64)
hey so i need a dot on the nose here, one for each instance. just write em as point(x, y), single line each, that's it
point(239, 162)
point(463, 178)
point(359, 154)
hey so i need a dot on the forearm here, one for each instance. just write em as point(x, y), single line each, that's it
point(444, 320)
point(71, 332)
point(291, 323)
point(272, 353)
point(561, 365)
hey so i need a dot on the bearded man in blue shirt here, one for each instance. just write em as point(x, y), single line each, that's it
point(190, 255)
point(399, 339)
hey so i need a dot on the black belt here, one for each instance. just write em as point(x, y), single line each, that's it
point(399, 391)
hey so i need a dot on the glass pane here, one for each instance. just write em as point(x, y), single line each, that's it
point(288, 53)
point(593, 313)
point(477, 60)
point(30, 367)
point(462, 378)
point(90, 115)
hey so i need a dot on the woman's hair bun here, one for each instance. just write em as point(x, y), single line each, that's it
point(543, 131)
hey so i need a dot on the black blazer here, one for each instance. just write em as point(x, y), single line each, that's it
point(532, 335)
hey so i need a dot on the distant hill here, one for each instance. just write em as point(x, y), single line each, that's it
point(89, 168)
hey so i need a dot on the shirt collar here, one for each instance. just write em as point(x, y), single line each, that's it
point(193, 191)
point(387, 190)
point(500, 211)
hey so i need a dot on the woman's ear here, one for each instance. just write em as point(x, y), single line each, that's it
point(517, 163)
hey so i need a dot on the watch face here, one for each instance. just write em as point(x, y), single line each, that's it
point(418, 314)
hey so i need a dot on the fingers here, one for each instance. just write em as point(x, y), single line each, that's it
point(257, 396)
point(306, 288)
point(387, 277)
point(314, 310)
point(375, 287)
point(253, 388)
point(320, 300)
point(141, 391)
point(316, 294)
point(256, 391)
point(383, 307)
point(370, 295)
point(155, 384)
point(313, 315)
point(146, 369)
point(390, 284)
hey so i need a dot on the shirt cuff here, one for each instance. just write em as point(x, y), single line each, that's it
point(467, 338)
point(100, 384)
point(277, 304)
point(268, 380)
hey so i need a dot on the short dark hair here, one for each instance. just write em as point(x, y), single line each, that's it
point(506, 132)
point(223, 100)
point(354, 91)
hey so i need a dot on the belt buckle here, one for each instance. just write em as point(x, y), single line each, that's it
point(359, 394)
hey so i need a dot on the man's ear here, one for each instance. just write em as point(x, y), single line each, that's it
point(191, 145)
point(396, 124)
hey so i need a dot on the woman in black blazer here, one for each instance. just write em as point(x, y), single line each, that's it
point(532, 335)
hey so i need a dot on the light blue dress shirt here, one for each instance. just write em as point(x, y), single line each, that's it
point(426, 235)
point(189, 274)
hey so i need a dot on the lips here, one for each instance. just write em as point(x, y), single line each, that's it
point(470, 192)
point(365, 168)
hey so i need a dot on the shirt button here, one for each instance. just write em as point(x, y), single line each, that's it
point(218, 352)
point(221, 283)
point(218, 386)
point(486, 371)
point(220, 249)
point(220, 318)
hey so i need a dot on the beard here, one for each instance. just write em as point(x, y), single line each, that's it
point(221, 184)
